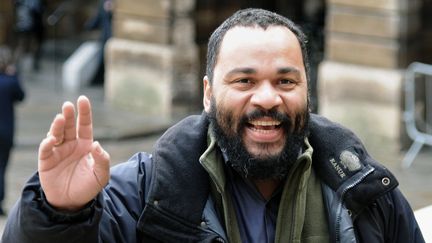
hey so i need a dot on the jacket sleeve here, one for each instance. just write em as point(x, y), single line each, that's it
point(111, 217)
point(389, 219)
point(18, 92)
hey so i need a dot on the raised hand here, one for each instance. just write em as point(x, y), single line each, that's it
point(73, 168)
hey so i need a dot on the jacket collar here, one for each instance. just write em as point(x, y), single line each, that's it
point(342, 162)
point(175, 201)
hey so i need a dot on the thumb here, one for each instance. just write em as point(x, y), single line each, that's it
point(101, 164)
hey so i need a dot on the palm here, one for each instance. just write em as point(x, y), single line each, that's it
point(69, 175)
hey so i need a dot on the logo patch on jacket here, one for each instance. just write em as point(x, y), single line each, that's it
point(347, 164)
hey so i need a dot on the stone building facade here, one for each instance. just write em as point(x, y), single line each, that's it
point(359, 49)
point(152, 60)
point(369, 44)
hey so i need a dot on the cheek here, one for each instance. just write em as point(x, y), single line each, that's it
point(297, 108)
point(295, 102)
point(235, 102)
point(229, 113)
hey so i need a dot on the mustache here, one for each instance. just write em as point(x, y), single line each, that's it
point(259, 113)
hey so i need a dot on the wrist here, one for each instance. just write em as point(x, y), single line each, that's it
point(69, 214)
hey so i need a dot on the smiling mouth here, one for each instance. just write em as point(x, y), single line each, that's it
point(264, 125)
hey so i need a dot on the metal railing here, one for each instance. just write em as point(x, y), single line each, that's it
point(412, 118)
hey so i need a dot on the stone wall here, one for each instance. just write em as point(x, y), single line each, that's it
point(376, 33)
point(368, 45)
point(152, 60)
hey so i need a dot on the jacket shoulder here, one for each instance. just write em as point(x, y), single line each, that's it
point(342, 162)
point(131, 178)
point(389, 219)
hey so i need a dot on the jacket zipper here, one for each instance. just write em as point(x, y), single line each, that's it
point(293, 219)
point(340, 205)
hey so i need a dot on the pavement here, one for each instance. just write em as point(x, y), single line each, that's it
point(122, 133)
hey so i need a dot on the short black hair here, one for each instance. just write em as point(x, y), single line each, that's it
point(252, 17)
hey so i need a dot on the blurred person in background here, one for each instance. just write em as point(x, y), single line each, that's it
point(11, 92)
point(102, 20)
point(30, 30)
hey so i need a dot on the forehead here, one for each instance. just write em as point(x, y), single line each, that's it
point(255, 47)
point(241, 36)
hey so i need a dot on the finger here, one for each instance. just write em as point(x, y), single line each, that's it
point(46, 147)
point(101, 164)
point(57, 128)
point(85, 129)
point(100, 156)
point(68, 110)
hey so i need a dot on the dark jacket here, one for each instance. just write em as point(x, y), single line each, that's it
point(29, 16)
point(154, 199)
point(101, 20)
point(10, 93)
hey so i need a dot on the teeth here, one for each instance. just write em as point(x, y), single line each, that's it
point(263, 131)
point(265, 123)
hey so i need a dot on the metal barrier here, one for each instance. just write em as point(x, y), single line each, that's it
point(419, 138)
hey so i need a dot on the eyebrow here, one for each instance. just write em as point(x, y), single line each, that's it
point(244, 70)
point(285, 70)
point(247, 70)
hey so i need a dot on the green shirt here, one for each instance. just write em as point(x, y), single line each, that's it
point(301, 214)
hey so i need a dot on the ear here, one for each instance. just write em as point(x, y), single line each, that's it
point(207, 94)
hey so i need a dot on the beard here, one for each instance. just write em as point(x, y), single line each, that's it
point(228, 131)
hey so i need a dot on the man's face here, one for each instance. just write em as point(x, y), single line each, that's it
point(259, 90)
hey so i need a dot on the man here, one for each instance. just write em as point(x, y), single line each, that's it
point(254, 167)
point(11, 93)
point(102, 20)
point(30, 30)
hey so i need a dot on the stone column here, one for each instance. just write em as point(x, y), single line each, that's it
point(6, 21)
point(152, 58)
point(369, 43)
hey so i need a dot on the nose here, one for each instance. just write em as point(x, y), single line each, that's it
point(266, 96)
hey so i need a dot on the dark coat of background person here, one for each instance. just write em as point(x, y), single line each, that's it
point(10, 93)
point(29, 28)
point(102, 21)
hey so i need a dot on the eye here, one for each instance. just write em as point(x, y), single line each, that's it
point(286, 81)
point(287, 84)
point(244, 81)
